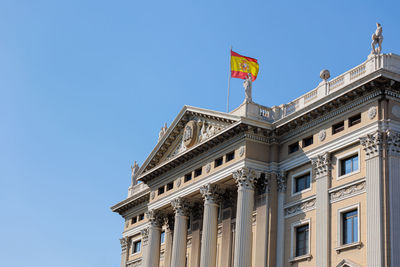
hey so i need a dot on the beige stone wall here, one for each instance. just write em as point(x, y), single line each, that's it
point(290, 195)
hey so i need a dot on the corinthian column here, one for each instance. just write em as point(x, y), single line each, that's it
point(124, 253)
point(245, 179)
point(181, 209)
point(145, 242)
point(280, 232)
point(208, 256)
point(152, 257)
point(322, 169)
point(372, 144)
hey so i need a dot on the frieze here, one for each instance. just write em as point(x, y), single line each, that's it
point(301, 207)
point(349, 191)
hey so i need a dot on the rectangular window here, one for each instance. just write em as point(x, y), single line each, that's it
point(162, 237)
point(188, 177)
point(302, 237)
point(338, 127)
point(308, 141)
point(197, 172)
point(293, 147)
point(218, 162)
point(230, 156)
point(355, 120)
point(302, 182)
point(349, 165)
point(134, 220)
point(350, 227)
point(137, 246)
point(141, 217)
point(170, 186)
point(161, 190)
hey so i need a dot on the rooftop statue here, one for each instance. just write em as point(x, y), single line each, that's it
point(162, 131)
point(135, 169)
point(247, 84)
point(377, 39)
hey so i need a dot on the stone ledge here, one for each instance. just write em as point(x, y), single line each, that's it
point(307, 257)
point(348, 246)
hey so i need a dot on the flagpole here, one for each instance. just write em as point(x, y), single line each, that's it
point(229, 80)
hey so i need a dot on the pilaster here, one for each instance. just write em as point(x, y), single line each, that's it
point(124, 250)
point(197, 215)
point(280, 244)
point(145, 242)
point(228, 200)
point(181, 208)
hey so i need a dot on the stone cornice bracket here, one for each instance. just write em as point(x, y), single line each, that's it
point(180, 206)
point(124, 243)
point(155, 218)
point(211, 193)
point(145, 236)
point(393, 143)
point(372, 144)
point(245, 178)
point(281, 181)
point(169, 220)
point(263, 183)
point(322, 165)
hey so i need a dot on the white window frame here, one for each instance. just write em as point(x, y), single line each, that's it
point(340, 213)
point(293, 178)
point(339, 165)
point(133, 245)
point(293, 227)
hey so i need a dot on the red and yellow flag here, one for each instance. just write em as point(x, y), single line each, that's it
point(241, 66)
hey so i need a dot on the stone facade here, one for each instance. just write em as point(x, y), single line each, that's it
point(310, 183)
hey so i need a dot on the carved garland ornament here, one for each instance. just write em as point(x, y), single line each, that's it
point(348, 191)
point(300, 207)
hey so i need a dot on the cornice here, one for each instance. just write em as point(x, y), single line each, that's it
point(132, 201)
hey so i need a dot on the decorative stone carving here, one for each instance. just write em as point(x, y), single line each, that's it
point(152, 195)
point(281, 181)
point(241, 151)
point(211, 193)
point(145, 236)
point(245, 178)
point(377, 39)
point(322, 165)
point(372, 144)
point(181, 206)
point(155, 218)
point(134, 173)
point(393, 143)
point(322, 135)
point(169, 221)
point(208, 167)
point(124, 243)
point(372, 112)
point(396, 111)
point(190, 134)
point(300, 207)
point(178, 182)
point(325, 74)
point(263, 183)
point(347, 192)
point(162, 131)
point(248, 84)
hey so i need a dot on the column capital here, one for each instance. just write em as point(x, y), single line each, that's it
point(322, 164)
point(263, 183)
point(124, 243)
point(281, 181)
point(393, 143)
point(211, 193)
point(245, 178)
point(145, 236)
point(180, 206)
point(155, 218)
point(372, 144)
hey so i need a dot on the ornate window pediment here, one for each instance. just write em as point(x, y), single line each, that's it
point(347, 263)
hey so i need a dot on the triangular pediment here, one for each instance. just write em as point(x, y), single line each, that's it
point(192, 126)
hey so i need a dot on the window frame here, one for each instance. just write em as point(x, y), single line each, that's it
point(340, 232)
point(298, 174)
point(293, 145)
point(303, 142)
point(230, 156)
point(133, 242)
point(339, 164)
point(218, 162)
point(293, 231)
point(352, 121)
point(336, 129)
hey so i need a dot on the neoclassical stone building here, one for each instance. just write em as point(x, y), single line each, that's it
point(315, 182)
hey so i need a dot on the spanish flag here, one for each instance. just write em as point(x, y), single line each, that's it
point(241, 66)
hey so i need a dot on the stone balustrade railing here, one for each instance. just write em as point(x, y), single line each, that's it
point(132, 190)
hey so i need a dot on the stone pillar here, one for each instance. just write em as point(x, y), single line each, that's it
point(372, 144)
point(197, 213)
point(245, 179)
point(280, 235)
point(124, 250)
point(262, 227)
point(181, 208)
point(208, 256)
point(228, 199)
point(322, 170)
point(145, 242)
point(169, 230)
point(152, 257)
point(393, 149)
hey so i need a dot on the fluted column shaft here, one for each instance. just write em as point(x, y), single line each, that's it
point(153, 250)
point(245, 179)
point(169, 225)
point(180, 232)
point(280, 235)
point(208, 254)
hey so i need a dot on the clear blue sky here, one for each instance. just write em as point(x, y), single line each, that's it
point(86, 85)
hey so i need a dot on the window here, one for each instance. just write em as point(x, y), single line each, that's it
point(161, 190)
point(302, 238)
point(350, 227)
point(349, 165)
point(301, 182)
point(134, 220)
point(338, 127)
point(230, 156)
point(170, 186)
point(308, 141)
point(293, 147)
point(218, 162)
point(141, 217)
point(197, 172)
point(137, 245)
point(162, 239)
point(355, 120)
point(188, 177)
